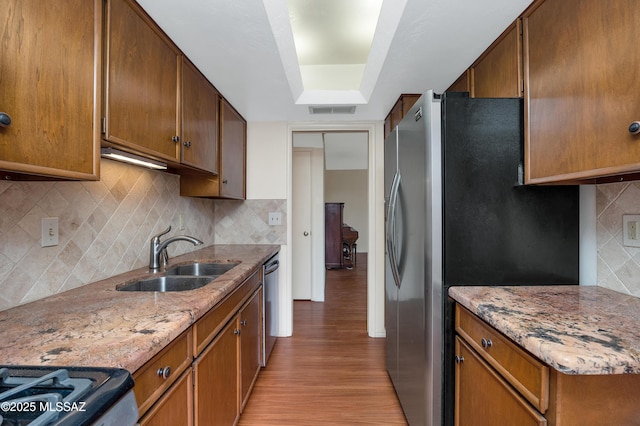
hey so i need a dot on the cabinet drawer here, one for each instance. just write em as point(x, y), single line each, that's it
point(524, 372)
point(149, 383)
point(211, 323)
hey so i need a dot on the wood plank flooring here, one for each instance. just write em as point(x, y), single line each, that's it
point(329, 371)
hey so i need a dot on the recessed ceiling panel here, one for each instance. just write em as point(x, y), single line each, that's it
point(333, 39)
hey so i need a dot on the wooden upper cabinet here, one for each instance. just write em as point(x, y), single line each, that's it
point(399, 110)
point(233, 147)
point(582, 81)
point(199, 141)
point(498, 72)
point(462, 84)
point(50, 87)
point(141, 93)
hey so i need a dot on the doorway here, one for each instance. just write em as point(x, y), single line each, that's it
point(372, 238)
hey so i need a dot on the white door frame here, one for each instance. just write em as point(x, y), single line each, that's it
point(375, 268)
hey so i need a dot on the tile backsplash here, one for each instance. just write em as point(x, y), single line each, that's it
point(105, 227)
point(618, 266)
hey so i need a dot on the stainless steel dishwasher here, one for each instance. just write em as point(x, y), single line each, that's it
point(270, 306)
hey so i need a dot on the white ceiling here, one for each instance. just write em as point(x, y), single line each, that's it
point(245, 48)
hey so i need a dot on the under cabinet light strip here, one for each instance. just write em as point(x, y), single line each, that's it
point(127, 157)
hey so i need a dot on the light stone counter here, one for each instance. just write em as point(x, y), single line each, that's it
point(95, 325)
point(574, 329)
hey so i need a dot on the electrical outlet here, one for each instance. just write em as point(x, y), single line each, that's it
point(275, 218)
point(631, 230)
point(49, 232)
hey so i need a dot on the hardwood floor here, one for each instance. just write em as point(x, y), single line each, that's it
point(329, 371)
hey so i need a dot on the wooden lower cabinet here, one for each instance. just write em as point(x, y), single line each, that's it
point(210, 369)
point(498, 383)
point(227, 369)
point(175, 407)
point(216, 379)
point(483, 397)
point(250, 345)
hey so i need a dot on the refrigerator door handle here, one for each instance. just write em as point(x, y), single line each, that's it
point(391, 229)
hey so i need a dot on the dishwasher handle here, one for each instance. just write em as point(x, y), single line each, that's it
point(271, 267)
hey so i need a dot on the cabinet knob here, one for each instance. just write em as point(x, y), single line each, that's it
point(459, 359)
point(5, 120)
point(164, 372)
point(225, 181)
point(175, 139)
point(243, 323)
point(634, 128)
point(187, 144)
point(305, 233)
point(486, 343)
point(236, 332)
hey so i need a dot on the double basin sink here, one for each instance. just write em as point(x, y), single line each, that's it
point(180, 278)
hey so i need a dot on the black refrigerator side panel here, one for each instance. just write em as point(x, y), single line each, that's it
point(495, 231)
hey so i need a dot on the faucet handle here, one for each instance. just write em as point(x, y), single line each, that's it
point(165, 232)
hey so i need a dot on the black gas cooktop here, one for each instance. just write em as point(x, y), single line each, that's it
point(70, 396)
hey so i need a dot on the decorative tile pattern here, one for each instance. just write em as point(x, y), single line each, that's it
point(246, 222)
point(105, 228)
point(618, 266)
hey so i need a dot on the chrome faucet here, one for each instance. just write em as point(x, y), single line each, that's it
point(158, 248)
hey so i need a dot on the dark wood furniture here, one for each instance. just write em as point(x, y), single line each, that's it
point(333, 235)
point(349, 238)
point(340, 238)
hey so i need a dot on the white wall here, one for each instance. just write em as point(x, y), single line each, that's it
point(268, 175)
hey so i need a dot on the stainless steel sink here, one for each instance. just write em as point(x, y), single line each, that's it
point(167, 283)
point(201, 269)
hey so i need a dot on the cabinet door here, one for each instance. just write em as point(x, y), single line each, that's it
point(175, 407)
point(484, 398)
point(250, 344)
point(216, 379)
point(50, 86)
point(199, 141)
point(233, 144)
point(498, 72)
point(581, 82)
point(141, 104)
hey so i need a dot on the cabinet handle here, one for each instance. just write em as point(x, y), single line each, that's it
point(225, 181)
point(486, 343)
point(175, 139)
point(236, 332)
point(164, 372)
point(243, 323)
point(459, 359)
point(5, 119)
point(187, 144)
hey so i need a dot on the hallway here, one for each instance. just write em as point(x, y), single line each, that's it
point(329, 372)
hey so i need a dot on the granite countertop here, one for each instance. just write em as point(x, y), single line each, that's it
point(95, 325)
point(574, 329)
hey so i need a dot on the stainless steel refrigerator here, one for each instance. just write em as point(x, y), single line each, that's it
point(457, 214)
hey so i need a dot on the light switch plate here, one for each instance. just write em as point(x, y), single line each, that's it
point(49, 231)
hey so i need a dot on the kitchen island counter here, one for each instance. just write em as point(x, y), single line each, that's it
point(95, 325)
point(577, 330)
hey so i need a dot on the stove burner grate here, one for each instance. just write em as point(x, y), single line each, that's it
point(43, 392)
